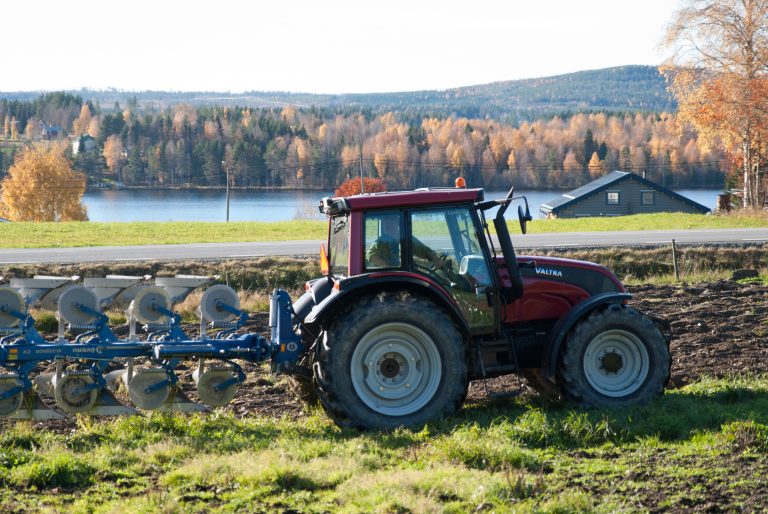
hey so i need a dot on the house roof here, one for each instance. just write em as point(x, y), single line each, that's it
point(609, 180)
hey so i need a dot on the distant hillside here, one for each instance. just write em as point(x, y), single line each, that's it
point(623, 88)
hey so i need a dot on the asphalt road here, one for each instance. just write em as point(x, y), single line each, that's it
point(241, 250)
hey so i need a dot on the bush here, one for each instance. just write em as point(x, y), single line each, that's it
point(352, 186)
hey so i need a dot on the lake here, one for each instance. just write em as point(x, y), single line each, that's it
point(210, 205)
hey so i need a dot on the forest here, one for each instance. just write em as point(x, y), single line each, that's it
point(185, 145)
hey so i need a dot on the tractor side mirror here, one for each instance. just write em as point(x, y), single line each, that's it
point(524, 216)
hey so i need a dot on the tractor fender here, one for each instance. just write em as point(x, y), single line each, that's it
point(568, 320)
point(374, 283)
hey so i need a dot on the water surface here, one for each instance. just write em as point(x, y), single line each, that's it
point(211, 205)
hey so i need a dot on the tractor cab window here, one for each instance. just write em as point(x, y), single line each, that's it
point(338, 244)
point(383, 239)
point(445, 246)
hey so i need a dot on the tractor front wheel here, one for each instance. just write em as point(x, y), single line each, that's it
point(614, 358)
point(390, 360)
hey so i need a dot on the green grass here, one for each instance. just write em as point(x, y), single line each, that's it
point(657, 221)
point(52, 235)
point(706, 444)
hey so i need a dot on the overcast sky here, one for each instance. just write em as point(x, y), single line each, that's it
point(318, 46)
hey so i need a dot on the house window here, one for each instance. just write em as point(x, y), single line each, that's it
point(612, 198)
point(648, 197)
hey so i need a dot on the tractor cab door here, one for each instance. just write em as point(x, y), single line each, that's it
point(444, 244)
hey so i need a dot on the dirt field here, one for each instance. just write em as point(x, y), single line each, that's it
point(719, 329)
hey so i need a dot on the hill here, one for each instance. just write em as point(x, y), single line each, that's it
point(623, 88)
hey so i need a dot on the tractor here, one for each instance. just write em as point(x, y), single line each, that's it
point(418, 298)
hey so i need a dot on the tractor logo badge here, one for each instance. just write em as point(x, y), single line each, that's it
point(549, 272)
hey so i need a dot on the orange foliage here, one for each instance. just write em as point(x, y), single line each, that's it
point(352, 186)
point(719, 75)
point(41, 186)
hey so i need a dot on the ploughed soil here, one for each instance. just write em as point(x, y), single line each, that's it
point(719, 329)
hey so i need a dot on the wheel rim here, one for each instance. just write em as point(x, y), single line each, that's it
point(396, 369)
point(616, 363)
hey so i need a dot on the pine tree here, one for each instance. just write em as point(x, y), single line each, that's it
point(590, 146)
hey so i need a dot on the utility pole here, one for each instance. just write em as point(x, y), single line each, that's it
point(226, 167)
point(362, 182)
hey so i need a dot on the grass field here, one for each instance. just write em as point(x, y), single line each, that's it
point(700, 448)
point(51, 235)
point(708, 440)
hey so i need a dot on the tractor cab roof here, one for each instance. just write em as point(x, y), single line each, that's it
point(394, 199)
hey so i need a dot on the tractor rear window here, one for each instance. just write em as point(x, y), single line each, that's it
point(383, 239)
point(339, 245)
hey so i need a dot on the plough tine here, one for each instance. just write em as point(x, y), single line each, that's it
point(33, 407)
point(108, 405)
point(180, 403)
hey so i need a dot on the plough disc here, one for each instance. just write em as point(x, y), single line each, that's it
point(82, 383)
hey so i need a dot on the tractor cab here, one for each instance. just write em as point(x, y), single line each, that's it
point(428, 239)
point(434, 239)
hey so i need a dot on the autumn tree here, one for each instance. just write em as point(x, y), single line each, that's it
point(718, 75)
point(596, 166)
point(571, 166)
point(352, 186)
point(81, 124)
point(114, 154)
point(41, 186)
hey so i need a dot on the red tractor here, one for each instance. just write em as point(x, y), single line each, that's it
point(418, 298)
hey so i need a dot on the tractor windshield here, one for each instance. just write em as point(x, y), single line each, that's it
point(338, 244)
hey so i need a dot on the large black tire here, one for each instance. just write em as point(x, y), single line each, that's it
point(394, 359)
point(614, 358)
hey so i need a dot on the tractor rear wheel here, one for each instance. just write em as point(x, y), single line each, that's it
point(614, 358)
point(391, 360)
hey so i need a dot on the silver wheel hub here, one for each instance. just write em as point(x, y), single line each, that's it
point(616, 363)
point(396, 369)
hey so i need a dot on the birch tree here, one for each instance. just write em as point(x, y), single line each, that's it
point(718, 74)
point(41, 186)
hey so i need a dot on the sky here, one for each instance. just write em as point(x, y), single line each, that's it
point(318, 46)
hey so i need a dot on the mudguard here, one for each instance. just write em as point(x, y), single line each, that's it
point(318, 290)
point(372, 283)
point(565, 323)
